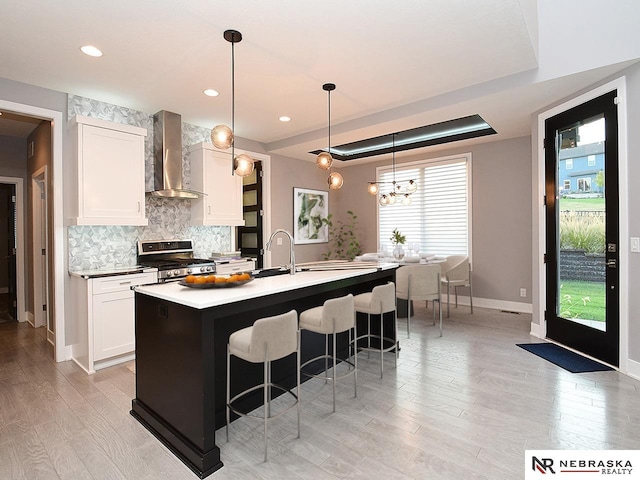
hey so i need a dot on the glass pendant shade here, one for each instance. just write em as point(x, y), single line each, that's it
point(335, 180)
point(243, 165)
point(373, 188)
point(412, 186)
point(384, 200)
point(222, 137)
point(392, 198)
point(406, 200)
point(324, 160)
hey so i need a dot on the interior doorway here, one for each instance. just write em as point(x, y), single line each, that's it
point(8, 250)
point(57, 230)
point(250, 236)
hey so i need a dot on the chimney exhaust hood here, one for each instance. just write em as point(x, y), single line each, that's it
point(167, 151)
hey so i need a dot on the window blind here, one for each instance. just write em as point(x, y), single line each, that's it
point(438, 218)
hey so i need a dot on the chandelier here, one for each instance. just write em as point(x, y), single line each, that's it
point(394, 191)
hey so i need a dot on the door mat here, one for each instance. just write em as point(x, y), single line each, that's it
point(564, 358)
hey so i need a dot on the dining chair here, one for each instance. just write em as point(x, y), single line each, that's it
point(419, 282)
point(456, 272)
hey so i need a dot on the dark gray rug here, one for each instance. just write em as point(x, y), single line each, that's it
point(564, 358)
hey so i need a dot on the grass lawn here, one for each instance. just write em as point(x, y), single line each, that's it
point(585, 300)
point(583, 204)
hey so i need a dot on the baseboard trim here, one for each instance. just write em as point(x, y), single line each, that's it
point(490, 303)
point(633, 369)
point(73, 359)
point(538, 330)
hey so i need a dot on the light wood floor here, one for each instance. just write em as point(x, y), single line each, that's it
point(463, 406)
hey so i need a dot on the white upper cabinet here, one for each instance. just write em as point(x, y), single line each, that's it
point(211, 174)
point(110, 172)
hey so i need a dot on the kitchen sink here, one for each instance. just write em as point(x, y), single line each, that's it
point(269, 272)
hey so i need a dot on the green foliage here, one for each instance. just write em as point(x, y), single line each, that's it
point(397, 237)
point(582, 204)
point(343, 243)
point(582, 232)
point(582, 300)
point(600, 179)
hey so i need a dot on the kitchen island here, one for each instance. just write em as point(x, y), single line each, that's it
point(181, 338)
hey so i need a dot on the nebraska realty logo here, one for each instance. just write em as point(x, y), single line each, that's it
point(582, 464)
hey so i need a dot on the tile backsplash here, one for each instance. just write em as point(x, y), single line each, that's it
point(92, 247)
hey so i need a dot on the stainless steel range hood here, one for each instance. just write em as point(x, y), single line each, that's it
point(167, 150)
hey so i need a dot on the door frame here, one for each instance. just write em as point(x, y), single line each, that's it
point(41, 272)
point(21, 243)
point(538, 323)
point(62, 351)
point(266, 201)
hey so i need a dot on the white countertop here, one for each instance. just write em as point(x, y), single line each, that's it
point(111, 271)
point(201, 298)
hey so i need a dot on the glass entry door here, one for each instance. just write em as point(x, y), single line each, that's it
point(581, 168)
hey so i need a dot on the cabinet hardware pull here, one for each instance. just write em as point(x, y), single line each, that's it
point(209, 210)
point(138, 207)
point(125, 283)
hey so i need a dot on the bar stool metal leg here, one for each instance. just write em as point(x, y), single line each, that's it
point(266, 399)
point(228, 408)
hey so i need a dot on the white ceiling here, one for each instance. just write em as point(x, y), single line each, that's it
point(396, 65)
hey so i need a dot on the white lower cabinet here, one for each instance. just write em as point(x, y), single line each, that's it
point(104, 319)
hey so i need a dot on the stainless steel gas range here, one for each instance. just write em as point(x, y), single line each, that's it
point(174, 260)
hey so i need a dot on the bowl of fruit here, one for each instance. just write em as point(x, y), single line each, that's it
point(216, 281)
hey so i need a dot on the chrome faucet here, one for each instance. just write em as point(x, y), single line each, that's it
point(292, 267)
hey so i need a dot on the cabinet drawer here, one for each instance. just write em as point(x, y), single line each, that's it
point(120, 283)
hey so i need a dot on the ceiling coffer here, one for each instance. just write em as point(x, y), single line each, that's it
point(167, 151)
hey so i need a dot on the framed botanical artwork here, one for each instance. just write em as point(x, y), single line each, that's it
point(309, 208)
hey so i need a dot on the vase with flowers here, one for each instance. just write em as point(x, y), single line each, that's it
point(398, 240)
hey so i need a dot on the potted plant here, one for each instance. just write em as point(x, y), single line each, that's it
point(398, 240)
point(343, 242)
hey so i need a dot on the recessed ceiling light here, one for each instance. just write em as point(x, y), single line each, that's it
point(284, 118)
point(91, 51)
point(210, 92)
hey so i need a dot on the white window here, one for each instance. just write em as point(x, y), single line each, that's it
point(569, 164)
point(439, 217)
point(584, 184)
point(567, 185)
point(591, 160)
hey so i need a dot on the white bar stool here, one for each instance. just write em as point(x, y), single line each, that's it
point(269, 339)
point(381, 300)
point(334, 316)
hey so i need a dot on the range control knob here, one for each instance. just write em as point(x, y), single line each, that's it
point(176, 273)
point(169, 274)
point(188, 270)
point(209, 269)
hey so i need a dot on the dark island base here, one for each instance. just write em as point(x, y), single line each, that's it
point(201, 463)
point(181, 362)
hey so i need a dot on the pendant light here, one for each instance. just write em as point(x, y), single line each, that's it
point(324, 160)
point(399, 192)
point(222, 136)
